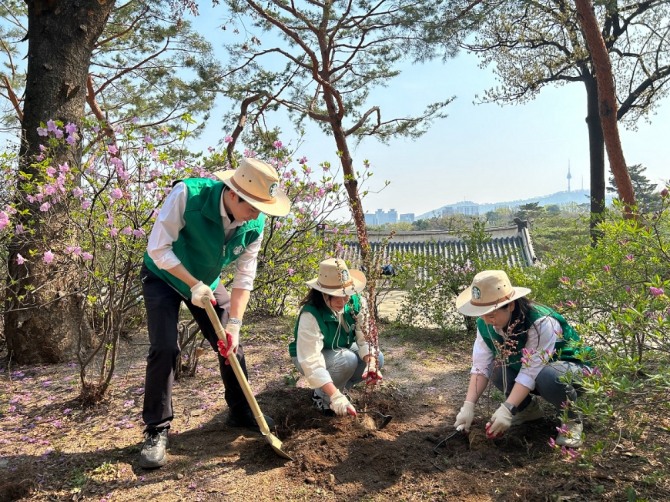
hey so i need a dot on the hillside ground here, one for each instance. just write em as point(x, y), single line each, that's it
point(53, 449)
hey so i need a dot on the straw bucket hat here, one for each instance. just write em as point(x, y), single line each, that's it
point(489, 291)
point(336, 279)
point(258, 184)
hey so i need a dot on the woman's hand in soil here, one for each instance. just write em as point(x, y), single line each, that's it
point(341, 405)
point(500, 421)
point(465, 417)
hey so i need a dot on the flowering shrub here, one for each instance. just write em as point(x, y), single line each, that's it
point(99, 214)
point(616, 294)
point(437, 280)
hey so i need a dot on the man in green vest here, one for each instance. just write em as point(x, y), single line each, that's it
point(203, 225)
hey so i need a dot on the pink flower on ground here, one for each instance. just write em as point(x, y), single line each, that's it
point(20, 260)
point(48, 257)
point(607, 268)
point(290, 272)
point(87, 256)
point(656, 291)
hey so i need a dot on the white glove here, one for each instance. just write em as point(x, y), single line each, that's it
point(232, 338)
point(341, 405)
point(200, 290)
point(371, 375)
point(500, 421)
point(465, 417)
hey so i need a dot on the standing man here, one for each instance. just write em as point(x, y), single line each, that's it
point(203, 226)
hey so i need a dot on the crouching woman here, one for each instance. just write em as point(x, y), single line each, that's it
point(525, 349)
point(329, 346)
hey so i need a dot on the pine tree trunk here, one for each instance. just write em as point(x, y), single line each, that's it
point(607, 104)
point(44, 317)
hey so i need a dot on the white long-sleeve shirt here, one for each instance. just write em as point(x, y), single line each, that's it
point(309, 344)
point(170, 221)
point(541, 342)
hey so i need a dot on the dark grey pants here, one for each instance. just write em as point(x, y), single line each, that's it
point(162, 303)
point(550, 383)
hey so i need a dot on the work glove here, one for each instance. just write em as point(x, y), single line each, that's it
point(229, 347)
point(500, 421)
point(341, 405)
point(465, 417)
point(198, 292)
point(371, 375)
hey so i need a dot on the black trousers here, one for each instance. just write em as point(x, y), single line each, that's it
point(162, 303)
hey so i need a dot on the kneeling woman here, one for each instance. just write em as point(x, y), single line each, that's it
point(329, 345)
point(525, 349)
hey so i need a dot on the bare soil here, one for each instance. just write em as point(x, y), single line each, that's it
point(53, 449)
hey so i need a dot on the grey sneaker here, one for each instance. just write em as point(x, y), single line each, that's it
point(570, 434)
point(153, 452)
point(528, 414)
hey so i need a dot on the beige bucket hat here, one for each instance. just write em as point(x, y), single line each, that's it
point(258, 183)
point(489, 291)
point(336, 279)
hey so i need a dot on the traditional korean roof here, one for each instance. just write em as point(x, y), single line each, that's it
point(512, 244)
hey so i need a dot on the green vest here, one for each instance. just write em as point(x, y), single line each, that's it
point(201, 246)
point(328, 325)
point(567, 346)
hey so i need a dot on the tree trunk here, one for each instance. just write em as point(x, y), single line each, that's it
point(43, 317)
point(596, 156)
point(607, 104)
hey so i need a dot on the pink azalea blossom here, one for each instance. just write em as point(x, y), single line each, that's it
point(277, 144)
point(77, 192)
point(41, 131)
point(87, 256)
point(4, 220)
point(656, 291)
point(228, 139)
point(117, 193)
point(48, 257)
point(51, 126)
point(290, 272)
point(20, 260)
point(45, 207)
point(112, 149)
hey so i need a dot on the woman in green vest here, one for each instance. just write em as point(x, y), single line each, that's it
point(329, 345)
point(524, 348)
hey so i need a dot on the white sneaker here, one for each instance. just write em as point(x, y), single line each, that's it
point(528, 414)
point(572, 438)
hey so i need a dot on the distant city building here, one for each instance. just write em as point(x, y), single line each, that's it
point(407, 217)
point(381, 217)
point(466, 208)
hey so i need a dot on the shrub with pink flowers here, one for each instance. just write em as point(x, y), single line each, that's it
point(103, 211)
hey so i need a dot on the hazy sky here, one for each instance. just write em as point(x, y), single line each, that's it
point(483, 153)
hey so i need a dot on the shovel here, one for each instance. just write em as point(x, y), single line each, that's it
point(384, 419)
point(237, 369)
